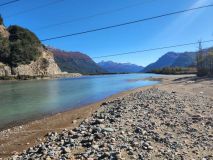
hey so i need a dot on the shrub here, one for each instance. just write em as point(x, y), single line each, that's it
point(205, 64)
point(4, 50)
point(174, 70)
point(1, 20)
point(24, 46)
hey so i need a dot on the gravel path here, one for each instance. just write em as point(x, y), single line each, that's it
point(150, 124)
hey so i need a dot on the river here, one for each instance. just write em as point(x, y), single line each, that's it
point(27, 100)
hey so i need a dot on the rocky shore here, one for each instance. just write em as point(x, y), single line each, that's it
point(149, 124)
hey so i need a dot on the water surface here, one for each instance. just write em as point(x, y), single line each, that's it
point(24, 100)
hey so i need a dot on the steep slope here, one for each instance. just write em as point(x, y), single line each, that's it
point(172, 59)
point(185, 59)
point(113, 67)
point(22, 54)
point(166, 60)
point(3, 31)
point(75, 62)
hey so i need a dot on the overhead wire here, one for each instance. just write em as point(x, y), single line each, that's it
point(132, 22)
point(34, 8)
point(10, 2)
point(126, 23)
point(91, 16)
point(153, 49)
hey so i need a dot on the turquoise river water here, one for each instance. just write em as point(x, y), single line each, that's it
point(26, 100)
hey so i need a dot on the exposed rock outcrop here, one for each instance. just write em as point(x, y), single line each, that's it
point(4, 70)
point(3, 31)
point(44, 66)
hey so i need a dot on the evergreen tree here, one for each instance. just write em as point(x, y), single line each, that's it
point(4, 50)
point(1, 20)
point(24, 46)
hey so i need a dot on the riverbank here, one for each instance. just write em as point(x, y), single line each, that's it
point(26, 77)
point(22, 137)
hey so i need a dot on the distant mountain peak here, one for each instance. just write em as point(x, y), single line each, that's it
point(173, 59)
point(115, 67)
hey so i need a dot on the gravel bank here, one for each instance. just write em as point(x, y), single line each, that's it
point(150, 124)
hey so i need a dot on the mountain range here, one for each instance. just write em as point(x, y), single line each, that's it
point(113, 67)
point(173, 59)
point(75, 62)
point(22, 53)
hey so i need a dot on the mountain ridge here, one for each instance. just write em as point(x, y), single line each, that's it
point(75, 62)
point(114, 67)
point(175, 59)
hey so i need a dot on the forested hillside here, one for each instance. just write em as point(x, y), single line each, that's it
point(75, 62)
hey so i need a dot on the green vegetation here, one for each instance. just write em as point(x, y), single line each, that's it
point(1, 20)
point(21, 47)
point(4, 50)
point(205, 64)
point(24, 46)
point(174, 70)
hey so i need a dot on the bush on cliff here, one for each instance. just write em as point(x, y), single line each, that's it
point(1, 20)
point(24, 46)
point(4, 50)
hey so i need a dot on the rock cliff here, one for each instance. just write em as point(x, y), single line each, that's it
point(44, 65)
point(4, 70)
point(3, 31)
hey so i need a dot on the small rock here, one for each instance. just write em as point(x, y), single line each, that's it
point(108, 129)
point(74, 121)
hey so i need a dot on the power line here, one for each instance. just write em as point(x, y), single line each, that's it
point(34, 8)
point(127, 23)
point(152, 49)
point(7, 3)
point(92, 16)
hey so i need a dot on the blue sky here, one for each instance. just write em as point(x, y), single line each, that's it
point(176, 29)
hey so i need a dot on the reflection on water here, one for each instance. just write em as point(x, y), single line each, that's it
point(30, 99)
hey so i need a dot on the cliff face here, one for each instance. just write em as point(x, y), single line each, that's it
point(3, 31)
point(44, 65)
point(4, 70)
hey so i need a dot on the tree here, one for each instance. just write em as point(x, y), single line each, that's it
point(4, 50)
point(25, 47)
point(1, 20)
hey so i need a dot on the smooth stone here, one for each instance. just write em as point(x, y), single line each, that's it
point(108, 129)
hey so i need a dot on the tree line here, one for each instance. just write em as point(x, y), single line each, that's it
point(175, 70)
point(204, 62)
